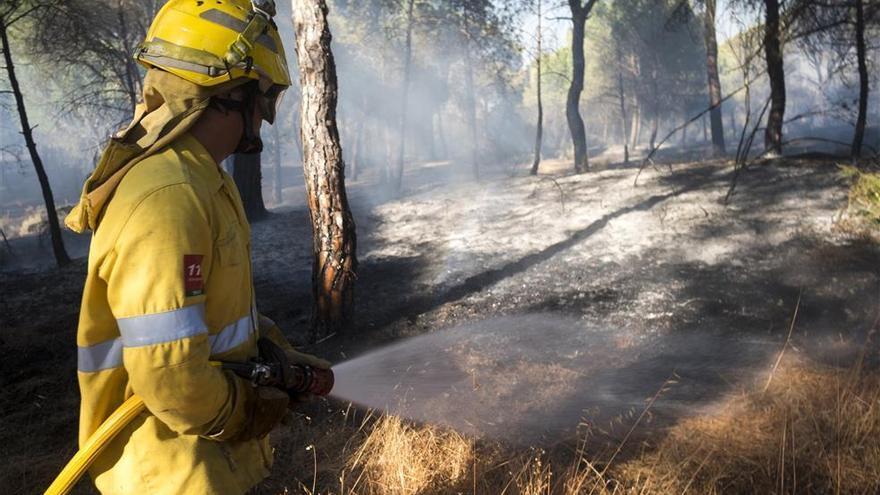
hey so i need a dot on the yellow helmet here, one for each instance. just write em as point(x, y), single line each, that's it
point(209, 42)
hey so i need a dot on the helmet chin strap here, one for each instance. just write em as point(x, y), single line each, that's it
point(250, 143)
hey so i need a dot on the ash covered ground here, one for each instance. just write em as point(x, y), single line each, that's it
point(663, 286)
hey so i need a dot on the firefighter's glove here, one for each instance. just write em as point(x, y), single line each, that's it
point(266, 408)
point(272, 332)
point(289, 362)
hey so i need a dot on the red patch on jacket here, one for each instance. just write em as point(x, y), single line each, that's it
point(193, 283)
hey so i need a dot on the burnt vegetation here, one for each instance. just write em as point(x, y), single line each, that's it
point(642, 234)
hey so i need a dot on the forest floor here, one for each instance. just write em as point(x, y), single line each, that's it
point(624, 316)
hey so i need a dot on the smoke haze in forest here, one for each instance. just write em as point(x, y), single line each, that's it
point(471, 92)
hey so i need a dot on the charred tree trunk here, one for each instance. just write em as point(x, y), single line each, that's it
point(333, 230)
point(655, 118)
point(623, 127)
point(655, 127)
point(579, 14)
point(248, 175)
point(861, 50)
point(407, 68)
point(636, 130)
point(714, 82)
point(776, 73)
point(539, 128)
point(61, 257)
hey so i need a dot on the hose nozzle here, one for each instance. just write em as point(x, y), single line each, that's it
point(310, 380)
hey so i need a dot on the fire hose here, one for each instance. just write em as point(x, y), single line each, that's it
point(297, 379)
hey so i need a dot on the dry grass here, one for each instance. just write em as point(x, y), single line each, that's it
point(399, 458)
point(861, 217)
point(815, 429)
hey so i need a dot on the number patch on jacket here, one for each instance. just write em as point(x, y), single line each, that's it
point(193, 283)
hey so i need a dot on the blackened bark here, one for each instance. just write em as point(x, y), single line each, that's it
point(579, 14)
point(539, 131)
point(655, 118)
point(248, 176)
point(714, 82)
point(407, 68)
point(623, 127)
point(61, 257)
point(861, 50)
point(636, 130)
point(333, 229)
point(776, 73)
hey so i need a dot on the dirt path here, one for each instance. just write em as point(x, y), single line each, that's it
point(663, 278)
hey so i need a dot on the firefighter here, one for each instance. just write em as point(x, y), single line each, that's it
point(169, 285)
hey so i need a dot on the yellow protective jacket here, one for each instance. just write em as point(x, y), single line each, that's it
point(169, 288)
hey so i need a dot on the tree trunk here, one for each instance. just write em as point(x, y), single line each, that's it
point(655, 118)
point(636, 130)
point(861, 50)
point(357, 150)
point(714, 82)
point(248, 175)
point(684, 136)
point(655, 127)
point(470, 103)
point(444, 151)
point(623, 127)
point(276, 180)
point(407, 67)
point(432, 142)
point(539, 128)
point(732, 114)
point(705, 128)
point(333, 229)
point(776, 73)
point(61, 257)
point(579, 15)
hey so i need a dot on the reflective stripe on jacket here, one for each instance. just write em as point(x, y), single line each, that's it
point(169, 288)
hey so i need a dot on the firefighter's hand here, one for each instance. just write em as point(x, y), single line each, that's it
point(270, 330)
point(301, 358)
point(266, 408)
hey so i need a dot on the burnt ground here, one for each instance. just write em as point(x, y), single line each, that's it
point(666, 280)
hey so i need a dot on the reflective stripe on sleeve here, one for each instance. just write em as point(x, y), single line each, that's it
point(108, 354)
point(158, 328)
point(232, 335)
point(103, 356)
